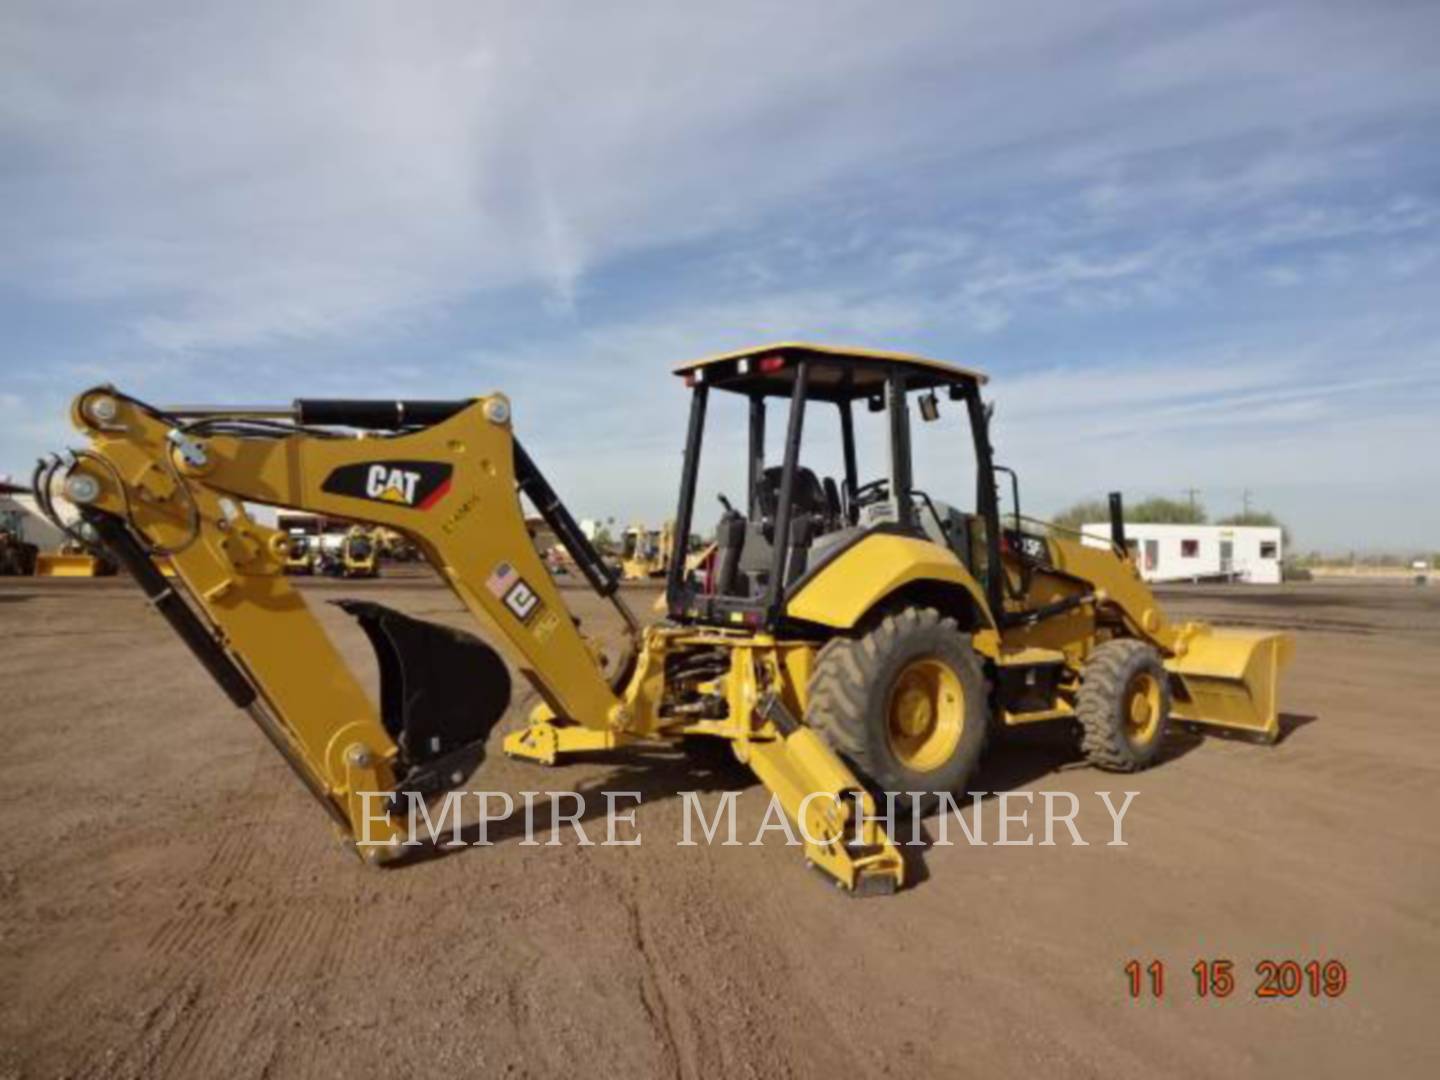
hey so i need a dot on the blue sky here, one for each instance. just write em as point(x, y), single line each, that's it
point(1195, 244)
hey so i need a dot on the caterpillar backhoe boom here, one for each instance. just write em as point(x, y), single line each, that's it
point(446, 475)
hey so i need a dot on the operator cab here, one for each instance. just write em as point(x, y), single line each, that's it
point(791, 519)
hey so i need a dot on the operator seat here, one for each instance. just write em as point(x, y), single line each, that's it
point(814, 511)
point(809, 497)
point(742, 556)
point(745, 549)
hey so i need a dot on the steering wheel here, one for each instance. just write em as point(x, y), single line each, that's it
point(873, 492)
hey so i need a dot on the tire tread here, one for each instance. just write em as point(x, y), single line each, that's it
point(848, 669)
point(1103, 681)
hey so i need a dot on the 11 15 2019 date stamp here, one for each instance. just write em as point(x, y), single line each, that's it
point(1217, 978)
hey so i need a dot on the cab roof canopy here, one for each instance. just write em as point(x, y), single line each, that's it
point(837, 373)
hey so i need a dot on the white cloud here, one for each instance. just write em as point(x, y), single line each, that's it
point(250, 173)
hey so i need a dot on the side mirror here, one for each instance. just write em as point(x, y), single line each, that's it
point(876, 403)
point(929, 407)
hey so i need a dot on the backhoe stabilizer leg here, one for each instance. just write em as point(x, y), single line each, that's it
point(822, 796)
point(545, 742)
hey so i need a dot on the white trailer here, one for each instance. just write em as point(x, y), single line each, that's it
point(19, 513)
point(1250, 553)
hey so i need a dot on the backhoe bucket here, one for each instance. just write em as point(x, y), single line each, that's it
point(441, 691)
point(1227, 679)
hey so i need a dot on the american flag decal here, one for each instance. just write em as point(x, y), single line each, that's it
point(501, 579)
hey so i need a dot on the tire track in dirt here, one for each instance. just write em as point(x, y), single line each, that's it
point(653, 995)
point(238, 947)
point(159, 1024)
point(244, 969)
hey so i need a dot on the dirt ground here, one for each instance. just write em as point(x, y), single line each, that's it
point(172, 903)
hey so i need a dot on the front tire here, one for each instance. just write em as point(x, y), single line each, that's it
point(904, 705)
point(1123, 705)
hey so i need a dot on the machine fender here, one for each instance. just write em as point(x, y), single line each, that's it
point(842, 591)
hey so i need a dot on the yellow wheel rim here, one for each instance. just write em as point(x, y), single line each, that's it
point(1142, 708)
point(925, 714)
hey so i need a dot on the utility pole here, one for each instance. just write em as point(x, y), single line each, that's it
point(1245, 501)
point(1191, 493)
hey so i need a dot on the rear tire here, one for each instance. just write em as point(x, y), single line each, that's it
point(1123, 706)
point(905, 705)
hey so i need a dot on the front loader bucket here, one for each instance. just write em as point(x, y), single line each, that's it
point(1227, 679)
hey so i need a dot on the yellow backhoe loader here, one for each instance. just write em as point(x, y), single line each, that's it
point(848, 638)
point(359, 555)
point(300, 550)
point(645, 552)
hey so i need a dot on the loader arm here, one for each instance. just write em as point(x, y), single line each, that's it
point(1222, 677)
point(157, 483)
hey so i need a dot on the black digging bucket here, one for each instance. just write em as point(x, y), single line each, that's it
point(441, 692)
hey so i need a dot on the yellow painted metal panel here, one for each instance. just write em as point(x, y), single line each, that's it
point(845, 589)
point(1231, 677)
point(55, 564)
